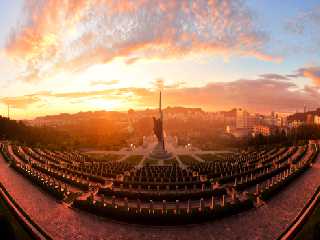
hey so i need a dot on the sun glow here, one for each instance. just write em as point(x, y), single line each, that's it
point(103, 104)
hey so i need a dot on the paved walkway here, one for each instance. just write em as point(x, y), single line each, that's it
point(196, 157)
point(181, 165)
point(266, 222)
point(124, 157)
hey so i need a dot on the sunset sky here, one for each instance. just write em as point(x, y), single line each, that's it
point(77, 55)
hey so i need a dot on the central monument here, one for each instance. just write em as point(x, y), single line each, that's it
point(159, 152)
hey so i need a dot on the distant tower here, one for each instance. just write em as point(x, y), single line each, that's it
point(161, 119)
point(160, 107)
point(8, 111)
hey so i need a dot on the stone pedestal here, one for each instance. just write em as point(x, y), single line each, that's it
point(159, 153)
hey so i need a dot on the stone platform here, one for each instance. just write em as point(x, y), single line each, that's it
point(159, 153)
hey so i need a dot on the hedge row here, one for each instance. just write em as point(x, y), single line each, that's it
point(261, 178)
point(156, 217)
point(162, 185)
point(56, 192)
point(4, 154)
point(273, 190)
point(315, 155)
point(270, 174)
point(159, 196)
point(268, 193)
point(255, 170)
point(80, 185)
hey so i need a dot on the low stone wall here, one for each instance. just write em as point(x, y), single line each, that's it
point(24, 219)
point(160, 216)
point(292, 231)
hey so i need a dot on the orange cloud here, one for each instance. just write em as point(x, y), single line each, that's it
point(159, 83)
point(72, 35)
point(257, 95)
point(20, 102)
point(102, 82)
point(312, 73)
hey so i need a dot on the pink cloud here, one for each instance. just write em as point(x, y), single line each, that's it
point(72, 35)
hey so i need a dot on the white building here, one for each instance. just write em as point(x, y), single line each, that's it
point(316, 119)
point(241, 118)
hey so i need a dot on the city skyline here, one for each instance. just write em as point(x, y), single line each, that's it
point(115, 55)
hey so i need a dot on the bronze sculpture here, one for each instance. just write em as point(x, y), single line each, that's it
point(158, 126)
point(159, 152)
point(158, 130)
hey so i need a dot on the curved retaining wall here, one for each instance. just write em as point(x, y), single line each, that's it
point(27, 223)
point(291, 232)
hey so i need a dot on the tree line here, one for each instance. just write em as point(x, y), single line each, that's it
point(299, 135)
point(19, 131)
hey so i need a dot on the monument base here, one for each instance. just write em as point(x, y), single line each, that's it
point(158, 153)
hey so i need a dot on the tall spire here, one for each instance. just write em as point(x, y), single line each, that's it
point(160, 106)
point(160, 102)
